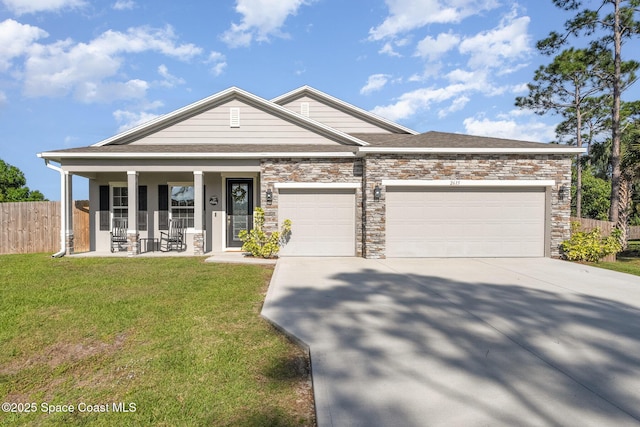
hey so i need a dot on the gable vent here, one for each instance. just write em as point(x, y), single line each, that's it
point(234, 117)
point(304, 109)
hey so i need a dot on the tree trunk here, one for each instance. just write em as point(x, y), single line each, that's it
point(614, 211)
point(626, 192)
point(578, 162)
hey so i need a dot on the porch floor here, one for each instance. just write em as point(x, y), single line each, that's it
point(221, 257)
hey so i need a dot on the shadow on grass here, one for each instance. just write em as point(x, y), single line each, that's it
point(591, 344)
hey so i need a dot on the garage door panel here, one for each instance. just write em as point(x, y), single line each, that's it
point(323, 221)
point(465, 222)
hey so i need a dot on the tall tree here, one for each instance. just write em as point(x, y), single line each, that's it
point(610, 22)
point(564, 87)
point(630, 164)
point(13, 185)
point(596, 119)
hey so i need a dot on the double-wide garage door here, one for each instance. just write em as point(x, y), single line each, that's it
point(465, 222)
point(323, 221)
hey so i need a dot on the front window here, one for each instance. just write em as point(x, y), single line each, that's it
point(182, 204)
point(120, 205)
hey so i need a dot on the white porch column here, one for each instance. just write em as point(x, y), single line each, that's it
point(133, 247)
point(198, 216)
point(67, 211)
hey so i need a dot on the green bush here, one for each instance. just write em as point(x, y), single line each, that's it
point(261, 244)
point(590, 246)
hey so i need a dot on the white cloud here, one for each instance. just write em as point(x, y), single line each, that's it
point(20, 7)
point(3, 99)
point(91, 92)
point(70, 140)
point(15, 39)
point(124, 5)
point(508, 127)
point(434, 48)
point(92, 71)
point(260, 20)
point(387, 49)
point(169, 79)
point(219, 63)
point(431, 69)
point(457, 105)
point(508, 42)
point(418, 100)
point(129, 119)
point(407, 15)
point(375, 83)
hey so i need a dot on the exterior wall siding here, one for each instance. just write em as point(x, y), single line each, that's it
point(333, 117)
point(212, 126)
point(464, 167)
point(309, 171)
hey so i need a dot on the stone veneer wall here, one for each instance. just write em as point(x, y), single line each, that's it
point(309, 171)
point(481, 167)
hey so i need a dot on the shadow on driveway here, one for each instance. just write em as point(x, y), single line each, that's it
point(393, 345)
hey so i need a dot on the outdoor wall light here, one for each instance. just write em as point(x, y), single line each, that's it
point(562, 192)
point(377, 192)
point(213, 200)
point(269, 196)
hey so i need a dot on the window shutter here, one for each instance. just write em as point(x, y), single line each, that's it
point(163, 207)
point(142, 208)
point(234, 117)
point(104, 208)
point(204, 207)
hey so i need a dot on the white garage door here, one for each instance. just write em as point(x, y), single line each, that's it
point(323, 221)
point(465, 222)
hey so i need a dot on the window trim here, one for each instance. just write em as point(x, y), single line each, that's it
point(182, 184)
point(112, 185)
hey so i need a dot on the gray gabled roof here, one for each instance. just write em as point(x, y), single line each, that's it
point(202, 151)
point(406, 141)
point(430, 142)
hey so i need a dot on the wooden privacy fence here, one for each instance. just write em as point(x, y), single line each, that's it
point(605, 226)
point(31, 227)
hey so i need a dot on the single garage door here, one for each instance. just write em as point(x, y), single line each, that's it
point(465, 222)
point(323, 221)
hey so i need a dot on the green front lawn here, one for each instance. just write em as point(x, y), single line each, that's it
point(623, 265)
point(173, 341)
point(628, 261)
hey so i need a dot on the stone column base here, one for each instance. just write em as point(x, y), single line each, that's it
point(198, 244)
point(69, 243)
point(133, 244)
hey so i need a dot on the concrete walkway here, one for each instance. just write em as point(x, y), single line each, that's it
point(464, 342)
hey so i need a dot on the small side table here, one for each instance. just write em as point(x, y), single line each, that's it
point(149, 244)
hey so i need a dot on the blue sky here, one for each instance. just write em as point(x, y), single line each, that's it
point(74, 72)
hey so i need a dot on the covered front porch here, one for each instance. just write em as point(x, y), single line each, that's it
point(212, 201)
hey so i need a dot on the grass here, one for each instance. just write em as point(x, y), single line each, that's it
point(627, 261)
point(178, 340)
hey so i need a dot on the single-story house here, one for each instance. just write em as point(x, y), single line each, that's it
point(353, 183)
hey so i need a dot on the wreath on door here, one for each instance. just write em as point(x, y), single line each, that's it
point(238, 194)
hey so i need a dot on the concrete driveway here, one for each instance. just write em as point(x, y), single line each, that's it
point(464, 342)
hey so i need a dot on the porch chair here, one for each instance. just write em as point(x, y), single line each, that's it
point(118, 234)
point(173, 239)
